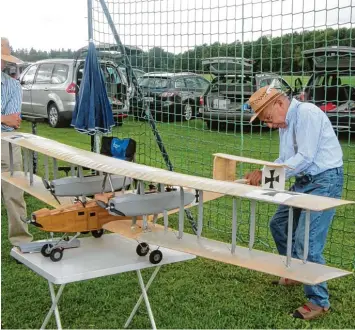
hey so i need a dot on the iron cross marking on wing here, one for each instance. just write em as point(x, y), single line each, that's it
point(272, 179)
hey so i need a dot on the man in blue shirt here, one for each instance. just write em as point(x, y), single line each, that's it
point(11, 98)
point(309, 146)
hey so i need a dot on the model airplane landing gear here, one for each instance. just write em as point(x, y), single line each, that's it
point(142, 249)
point(55, 250)
point(97, 233)
point(55, 254)
point(46, 250)
point(155, 256)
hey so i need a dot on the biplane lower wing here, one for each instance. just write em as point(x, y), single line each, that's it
point(111, 165)
point(273, 264)
point(266, 262)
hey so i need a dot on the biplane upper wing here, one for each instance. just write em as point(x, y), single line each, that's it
point(111, 165)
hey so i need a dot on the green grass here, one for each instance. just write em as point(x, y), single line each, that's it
point(196, 294)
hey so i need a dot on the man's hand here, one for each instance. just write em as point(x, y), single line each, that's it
point(13, 120)
point(254, 178)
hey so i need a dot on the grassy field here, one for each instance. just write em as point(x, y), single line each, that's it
point(196, 294)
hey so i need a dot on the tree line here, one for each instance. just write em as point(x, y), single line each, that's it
point(278, 54)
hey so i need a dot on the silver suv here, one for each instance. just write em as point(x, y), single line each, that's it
point(50, 88)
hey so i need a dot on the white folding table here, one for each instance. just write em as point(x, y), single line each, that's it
point(97, 257)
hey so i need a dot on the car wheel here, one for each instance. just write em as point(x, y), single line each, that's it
point(54, 117)
point(187, 112)
point(212, 124)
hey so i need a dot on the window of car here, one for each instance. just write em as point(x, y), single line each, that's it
point(29, 75)
point(320, 80)
point(192, 83)
point(204, 83)
point(277, 82)
point(265, 82)
point(180, 83)
point(114, 77)
point(44, 74)
point(154, 82)
point(60, 74)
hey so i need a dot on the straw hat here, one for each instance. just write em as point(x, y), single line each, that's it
point(262, 98)
point(6, 52)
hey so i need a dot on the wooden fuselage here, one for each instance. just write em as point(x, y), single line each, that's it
point(74, 218)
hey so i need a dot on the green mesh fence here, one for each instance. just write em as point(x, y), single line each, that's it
point(197, 63)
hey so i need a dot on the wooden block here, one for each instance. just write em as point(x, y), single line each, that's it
point(224, 169)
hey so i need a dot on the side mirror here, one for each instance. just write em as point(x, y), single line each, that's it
point(298, 85)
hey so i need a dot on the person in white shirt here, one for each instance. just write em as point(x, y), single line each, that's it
point(309, 146)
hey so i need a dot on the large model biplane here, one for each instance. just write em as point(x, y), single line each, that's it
point(135, 212)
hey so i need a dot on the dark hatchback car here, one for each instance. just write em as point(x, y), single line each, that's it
point(171, 96)
point(332, 84)
point(225, 102)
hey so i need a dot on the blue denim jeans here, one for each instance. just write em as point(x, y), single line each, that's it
point(327, 184)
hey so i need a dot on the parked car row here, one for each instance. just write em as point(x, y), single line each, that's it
point(50, 88)
point(170, 96)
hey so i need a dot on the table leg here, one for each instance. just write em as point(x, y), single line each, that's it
point(54, 307)
point(145, 297)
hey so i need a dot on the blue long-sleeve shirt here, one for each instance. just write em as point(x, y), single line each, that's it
point(308, 144)
point(11, 98)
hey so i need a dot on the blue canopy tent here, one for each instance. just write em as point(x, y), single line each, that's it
point(93, 112)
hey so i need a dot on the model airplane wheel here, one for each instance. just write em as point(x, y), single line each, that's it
point(142, 249)
point(155, 257)
point(56, 254)
point(97, 233)
point(46, 250)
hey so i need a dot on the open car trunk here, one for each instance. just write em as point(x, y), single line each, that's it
point(332, 85)
point(229, 93)
point(115, 87)
point(331, 58)
point(233, 84)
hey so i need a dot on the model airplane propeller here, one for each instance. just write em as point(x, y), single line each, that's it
point(50, 189)
point(108, 207)
point(30, 221)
